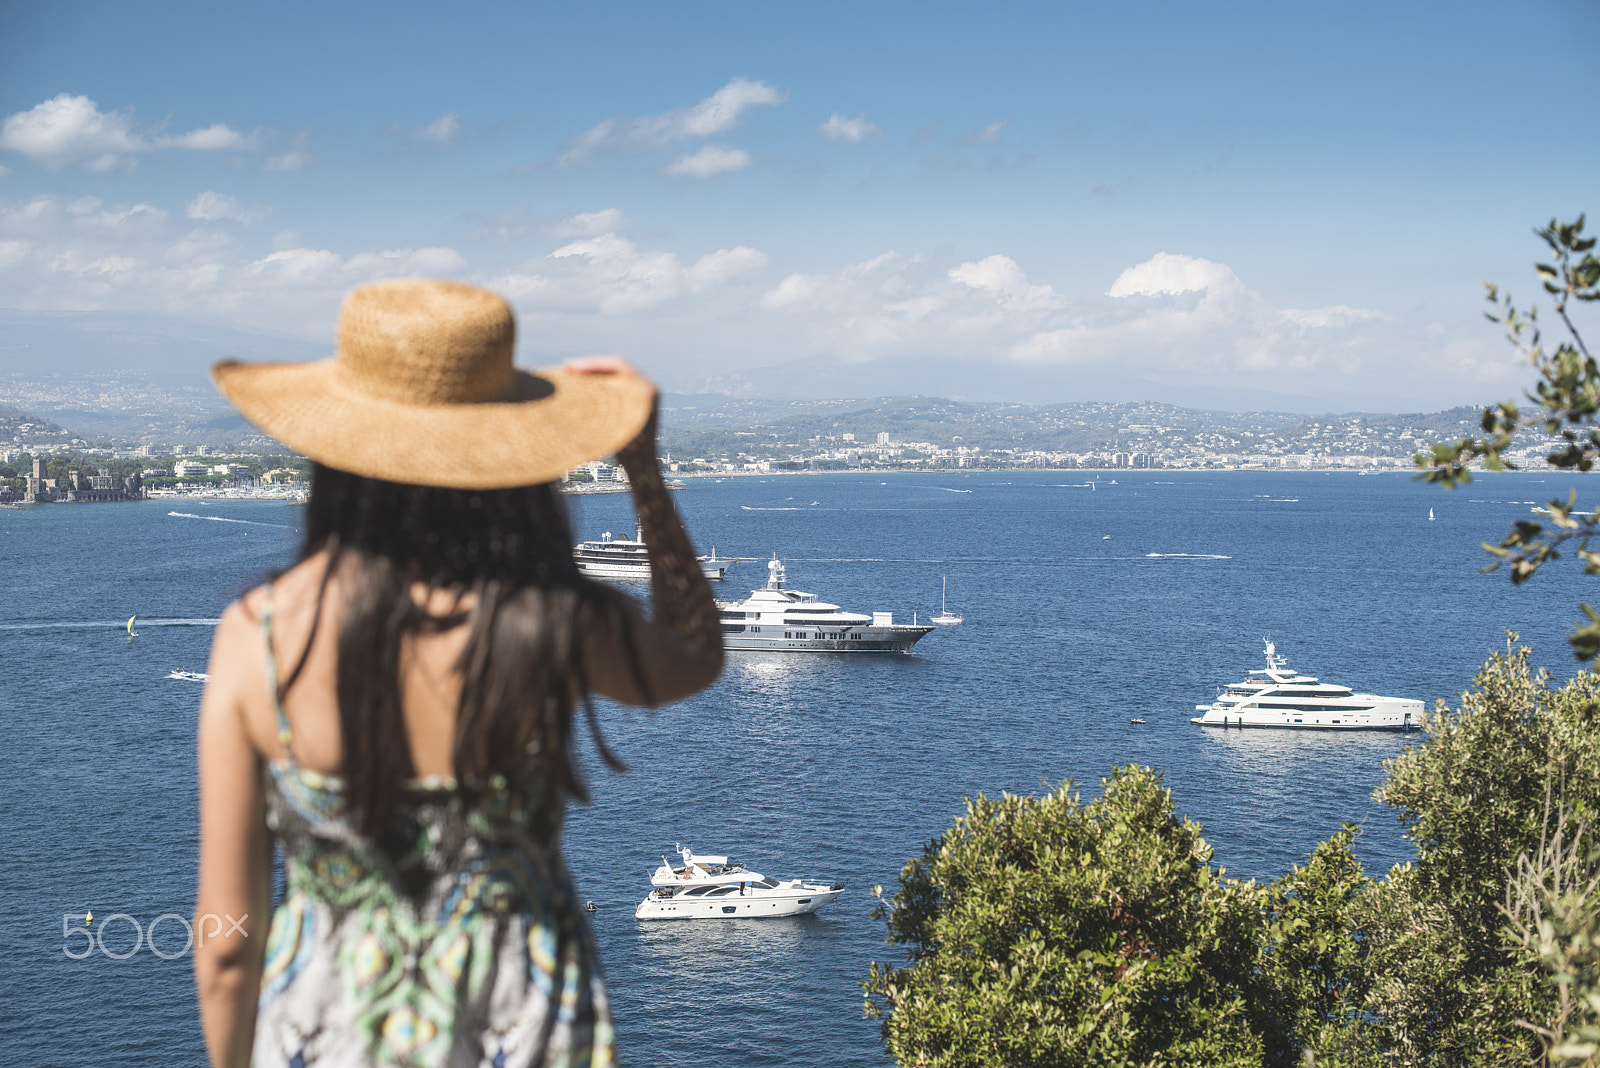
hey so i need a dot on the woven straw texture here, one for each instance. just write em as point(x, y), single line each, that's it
point(422, 390)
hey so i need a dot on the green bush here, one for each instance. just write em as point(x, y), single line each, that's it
point(1045, 931)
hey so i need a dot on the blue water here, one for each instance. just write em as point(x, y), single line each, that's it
point(832, 767)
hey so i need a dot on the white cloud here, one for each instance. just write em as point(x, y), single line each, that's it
point(986, 135)
point(12, 253)
point(69, 129)
point(611, 275)
point(715, 114)
point(72, 129)
point(1002, 276)
point(589, 223)
point(216, 207)
point(853, 283)
point(213, 138)
point(441, 131)
point(709, 162)
point(309, 267)
point(725, 265)
point(1332, 316)
point(292, 160)
point(1179, 322)
point(1165, 273)
point(61, 252)
point(852, 131)
point(145, 216)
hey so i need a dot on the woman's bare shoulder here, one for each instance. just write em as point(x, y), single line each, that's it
point(295, 592)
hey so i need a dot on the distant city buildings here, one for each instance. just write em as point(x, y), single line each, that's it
point(79, 488)
point(597, 472)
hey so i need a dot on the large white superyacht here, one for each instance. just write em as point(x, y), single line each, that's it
point(782, 620)
point(629, 558)
point(1278, 696)
point(715, 888)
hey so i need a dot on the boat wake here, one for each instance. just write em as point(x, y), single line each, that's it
point(790, 508)
point(113, 624)
point(947, 489)
point(223, 519)
point(1190, 556)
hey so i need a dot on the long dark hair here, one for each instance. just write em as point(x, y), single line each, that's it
point(523, 668)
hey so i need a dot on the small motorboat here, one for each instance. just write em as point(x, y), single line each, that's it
point(187, 676)
point(708, 887)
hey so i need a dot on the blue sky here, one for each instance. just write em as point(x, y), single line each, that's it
point(1181, 201)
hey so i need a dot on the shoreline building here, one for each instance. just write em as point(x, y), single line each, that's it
point(37, 489)
point(102, 488)
point(99, 488)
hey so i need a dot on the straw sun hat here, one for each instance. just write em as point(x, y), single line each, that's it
point(421, 390)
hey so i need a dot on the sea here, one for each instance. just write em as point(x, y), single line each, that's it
point(1090, 601)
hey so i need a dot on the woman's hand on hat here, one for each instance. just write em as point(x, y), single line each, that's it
point(611, 365)
point(640, 453)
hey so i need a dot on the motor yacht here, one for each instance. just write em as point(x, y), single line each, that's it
point(1278, 696)
point(609, 557)
point(783, 620)
point(707, 887)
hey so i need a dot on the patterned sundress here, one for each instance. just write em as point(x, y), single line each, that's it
point(455, 941)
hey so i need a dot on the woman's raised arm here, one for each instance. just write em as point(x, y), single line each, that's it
point(679, 649)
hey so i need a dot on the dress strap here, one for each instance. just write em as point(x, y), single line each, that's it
point(274, 687)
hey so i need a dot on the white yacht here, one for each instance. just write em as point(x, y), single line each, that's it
point(610, 557)
point(773, 618)
point(1280, 697)
point(714, 888)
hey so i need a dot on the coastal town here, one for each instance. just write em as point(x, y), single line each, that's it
point(42, 461)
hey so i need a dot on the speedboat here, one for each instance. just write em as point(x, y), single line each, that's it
point(187, 676)
point(609, 557)
point(707, 887)
point(1280, 697)
point(783, 620)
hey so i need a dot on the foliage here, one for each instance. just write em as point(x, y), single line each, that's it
point(1046, 931)
point(1315, 959)
point(1553, 915)
point(1447, 984)
point(1566, 403)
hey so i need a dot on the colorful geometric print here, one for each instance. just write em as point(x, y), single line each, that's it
point(466, 950)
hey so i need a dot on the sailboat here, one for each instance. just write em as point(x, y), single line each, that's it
point(1430, 515)
point(132, 634)
point(945, 617)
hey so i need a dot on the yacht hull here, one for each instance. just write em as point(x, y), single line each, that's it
point(642, 573)
point(891, 639)
point(1384, 716)
point(754, 905)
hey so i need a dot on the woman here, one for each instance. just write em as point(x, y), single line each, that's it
point(396, 708)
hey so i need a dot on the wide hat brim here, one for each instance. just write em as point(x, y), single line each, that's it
point(553, 421)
